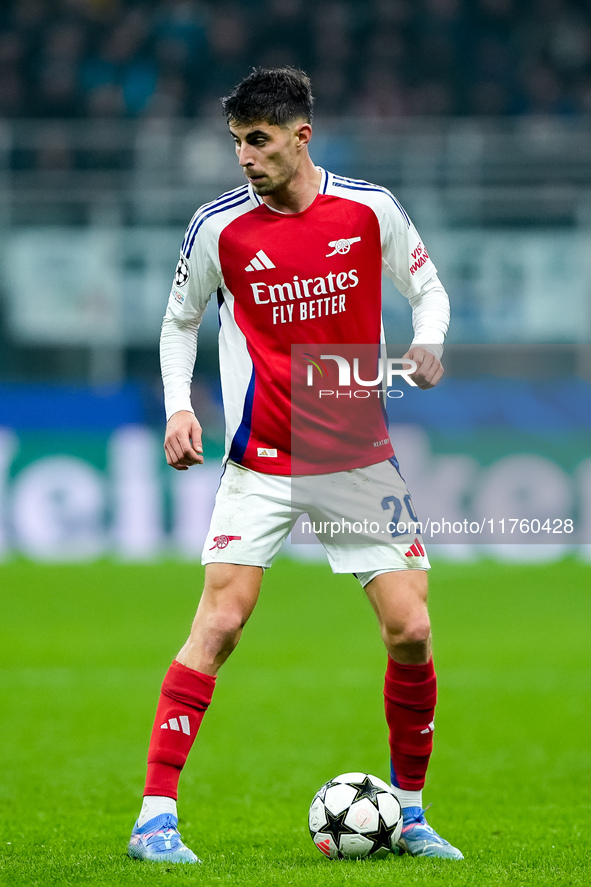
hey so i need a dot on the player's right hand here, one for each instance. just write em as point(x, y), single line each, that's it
point(182, 441)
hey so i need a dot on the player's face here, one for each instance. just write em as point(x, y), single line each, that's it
point(269, 154)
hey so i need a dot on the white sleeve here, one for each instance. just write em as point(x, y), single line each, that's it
point(178, 349)
point(196, 277)
point(407, 263)
point(430, 315)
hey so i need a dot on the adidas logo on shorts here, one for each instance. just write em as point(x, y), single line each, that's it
point(415, 550)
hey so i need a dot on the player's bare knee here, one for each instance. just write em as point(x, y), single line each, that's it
point(212, 640)
point(221, 627)
point(418, 631)
point(413, 634)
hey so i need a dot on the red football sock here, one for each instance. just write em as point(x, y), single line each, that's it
point(410, 693)
point(184, 699)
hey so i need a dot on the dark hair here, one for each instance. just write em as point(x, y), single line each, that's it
point(276, 95)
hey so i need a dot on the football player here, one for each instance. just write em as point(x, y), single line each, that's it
point(296, 255)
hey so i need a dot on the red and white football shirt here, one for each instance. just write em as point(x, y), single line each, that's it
point(310, 279)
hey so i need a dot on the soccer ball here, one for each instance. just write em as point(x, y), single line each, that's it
point(355, 815)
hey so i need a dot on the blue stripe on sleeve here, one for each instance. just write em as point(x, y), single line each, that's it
point(221, 202)
point(358, 185)
point(220, 209)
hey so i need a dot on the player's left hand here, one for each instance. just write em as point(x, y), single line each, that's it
point(429, 369)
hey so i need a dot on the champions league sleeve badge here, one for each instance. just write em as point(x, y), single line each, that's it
point(182, 273)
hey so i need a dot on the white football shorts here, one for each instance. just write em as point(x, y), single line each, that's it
point(363, 517)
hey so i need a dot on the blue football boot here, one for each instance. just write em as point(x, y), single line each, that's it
point(419, 839)
point(159, 841)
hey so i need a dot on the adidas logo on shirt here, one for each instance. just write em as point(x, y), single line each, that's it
point(173, 724)
point(260, 262)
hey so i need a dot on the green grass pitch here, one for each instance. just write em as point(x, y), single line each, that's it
point(84, 649)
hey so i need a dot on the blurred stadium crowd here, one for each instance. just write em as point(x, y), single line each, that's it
point(174, 58)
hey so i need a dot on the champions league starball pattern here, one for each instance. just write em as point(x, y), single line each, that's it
point(182, 273)
point(355, 815)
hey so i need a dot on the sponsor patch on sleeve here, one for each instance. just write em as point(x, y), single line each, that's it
point(420, 256)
